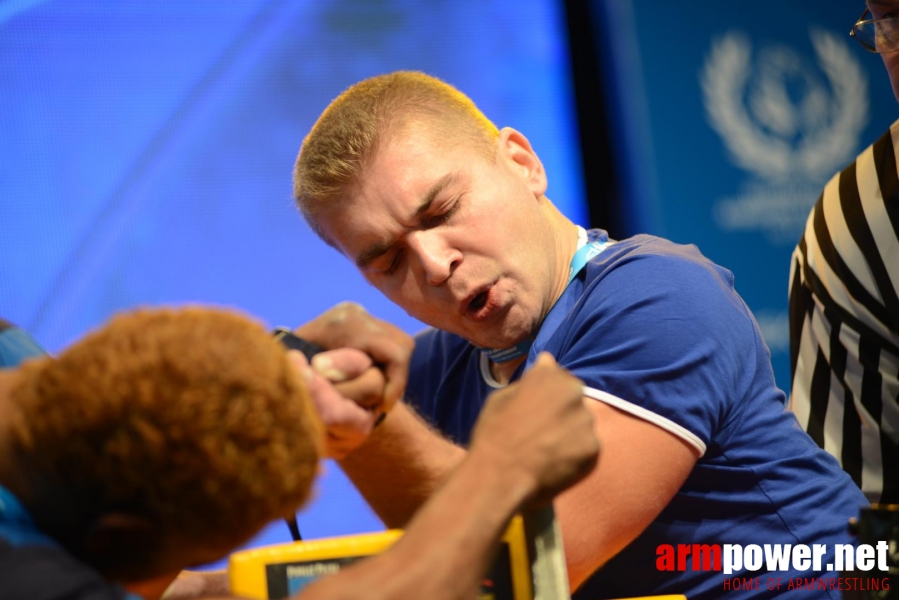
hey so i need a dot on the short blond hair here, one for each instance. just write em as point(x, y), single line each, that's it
point(194, 417)
point(347, 134)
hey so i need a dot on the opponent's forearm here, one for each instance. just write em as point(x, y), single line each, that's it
point(400, 465)
point(197, 584)
point(447, 547)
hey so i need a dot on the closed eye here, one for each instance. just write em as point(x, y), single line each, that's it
point(440, 219)
point(394, 263)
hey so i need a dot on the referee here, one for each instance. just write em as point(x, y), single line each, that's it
point(844, 299)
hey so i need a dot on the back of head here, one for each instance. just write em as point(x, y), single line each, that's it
point(347, 134)
point(192, 418)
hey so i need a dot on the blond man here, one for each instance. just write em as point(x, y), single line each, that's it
point(448, 216)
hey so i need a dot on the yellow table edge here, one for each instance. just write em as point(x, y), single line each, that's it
point(247, 576)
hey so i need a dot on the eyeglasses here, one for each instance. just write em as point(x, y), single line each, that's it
point(877, 35)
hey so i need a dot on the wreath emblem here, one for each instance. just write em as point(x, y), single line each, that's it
point(765, 129)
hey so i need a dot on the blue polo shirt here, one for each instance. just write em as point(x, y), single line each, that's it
point(657, 330)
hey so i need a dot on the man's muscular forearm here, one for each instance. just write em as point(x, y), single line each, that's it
point(401, 465)
point(447, 547)
point(514, 459)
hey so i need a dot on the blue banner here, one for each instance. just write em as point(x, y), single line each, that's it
point(728, 120)
point(146, 151)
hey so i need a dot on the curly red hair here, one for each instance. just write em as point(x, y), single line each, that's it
point(194, 417)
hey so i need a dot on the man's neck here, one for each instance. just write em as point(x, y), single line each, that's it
point(566, 243)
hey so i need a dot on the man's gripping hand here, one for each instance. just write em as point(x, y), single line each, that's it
point(540, 427)
point(340, 382)
point(348, 325)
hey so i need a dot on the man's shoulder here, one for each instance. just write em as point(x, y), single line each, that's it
point(665, 298)
point(16, 345)
point(50, 573)
point(885, 144)
point(646, 265)
point(656, 250)
point(893, 131)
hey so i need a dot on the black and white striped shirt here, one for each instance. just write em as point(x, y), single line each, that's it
point(844, 320)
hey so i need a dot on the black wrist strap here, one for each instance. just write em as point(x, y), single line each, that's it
point(293, 342)
point(309, 349)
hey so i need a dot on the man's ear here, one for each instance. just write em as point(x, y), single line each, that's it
point(515, 148)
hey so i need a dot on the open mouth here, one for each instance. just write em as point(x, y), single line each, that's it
point(478, 302)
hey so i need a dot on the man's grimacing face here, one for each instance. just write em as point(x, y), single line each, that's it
point(460, 242)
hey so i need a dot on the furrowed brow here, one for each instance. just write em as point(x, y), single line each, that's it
point(432, 194)
point(379, 249)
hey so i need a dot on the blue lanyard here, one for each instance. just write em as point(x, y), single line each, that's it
point(580, 259)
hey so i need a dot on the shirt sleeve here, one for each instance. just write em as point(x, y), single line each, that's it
point(16, 345)
point(667, 339)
